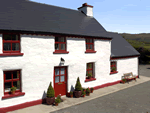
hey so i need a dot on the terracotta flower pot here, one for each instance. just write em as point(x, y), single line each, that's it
point(71, 95)
point(91, 91)
point(77, 94)
point(13, 92)
point(83, 95)
point(56, 104)
point(88, 94)
point(50, 101)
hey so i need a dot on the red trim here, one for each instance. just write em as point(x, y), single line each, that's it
point(113, 72)
point(87, 51)
point(11, 95)
point(58, 52)
point(85, 4)
point(12, 54)
point(40, 101)
point(91, 79)
point(112, 58)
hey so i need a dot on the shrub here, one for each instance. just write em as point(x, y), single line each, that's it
point(71, 92)
point(124, 80)
point(83, 93)
point(113, 68)
point(92, 88)
point(50, 91)
point(59, 97)
point(78, 85)
point(88, 90)
point(57, 100)
point(89, 75)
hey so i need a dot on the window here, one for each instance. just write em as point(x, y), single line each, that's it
point(11, 43)
point(60, 45)
point(113, 67)
point(90, 45)
point(90, 70)
point(12, 78)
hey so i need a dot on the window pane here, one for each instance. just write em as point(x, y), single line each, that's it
point(56, 39)
point(91, 46)
point(56, 79)
point(7, 37)
point(15, 46)
point(56, 71)
point(62, 71)
point(7, 86)
point(15, 74)
point(86, 46)
point(62, 46)
point(91, 41)
point(89, 66)
point(62, 79)
point(87, 41)
point(7, 46)
point(62, 39)
point(56, 47)
point(16, 84)
point(15, 37)
point(7, 75)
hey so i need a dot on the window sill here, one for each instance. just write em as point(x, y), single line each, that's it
point(11, 54)
point(61, 52)
point(113, 72)
point(13, 95)
point(91, 79)
point(90, 51)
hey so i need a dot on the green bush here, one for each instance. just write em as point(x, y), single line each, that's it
point(57, 100)
point(78, 85)
point(50, 91)
point(124, 80)
point(83, 93)
point(88, 90)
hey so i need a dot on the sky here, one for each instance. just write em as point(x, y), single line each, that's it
point(122, 16)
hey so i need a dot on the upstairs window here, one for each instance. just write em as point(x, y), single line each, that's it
point(60, 43)
point(89, 45)
point(11, 43)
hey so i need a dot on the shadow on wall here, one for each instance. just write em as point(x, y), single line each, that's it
point(44, 98)
point(72, 88)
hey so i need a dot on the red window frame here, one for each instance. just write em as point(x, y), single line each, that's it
point(12, 80)
point(89, 42)
point(11, 42)
point(113, 64)
point(89, 69)
point(59, 42)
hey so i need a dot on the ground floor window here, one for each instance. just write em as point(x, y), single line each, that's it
point(113, 67)
point(12, 78)
point(90, 70)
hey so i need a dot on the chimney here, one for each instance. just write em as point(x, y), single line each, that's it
point(86, 9)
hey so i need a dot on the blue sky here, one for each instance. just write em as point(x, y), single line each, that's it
point(122, 16)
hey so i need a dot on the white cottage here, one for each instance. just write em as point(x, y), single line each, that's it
point(41, 43)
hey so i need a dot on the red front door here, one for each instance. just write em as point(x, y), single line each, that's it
point(60, 80)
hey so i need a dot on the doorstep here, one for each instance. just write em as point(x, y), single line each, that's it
point(68, 102)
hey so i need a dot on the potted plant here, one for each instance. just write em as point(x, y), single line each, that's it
point(83, 93)
point(124, 80)
point(71, 94)
point(77, 92)
point(50, 95)
point(89, 75)
point(13, 89)
point(113, 69)
point(88, 92)
point(59, 97)
point(57, 100)
point(92, 89)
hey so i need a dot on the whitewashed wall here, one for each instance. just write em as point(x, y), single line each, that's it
point(38, 63)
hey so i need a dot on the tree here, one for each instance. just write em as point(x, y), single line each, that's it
point(78, 85)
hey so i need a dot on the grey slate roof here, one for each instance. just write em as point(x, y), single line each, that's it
point(120, 47)
point(31, 16)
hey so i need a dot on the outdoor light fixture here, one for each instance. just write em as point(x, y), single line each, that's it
point(62, 61)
